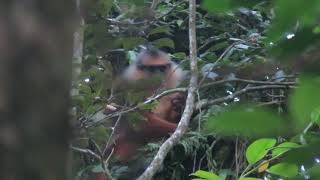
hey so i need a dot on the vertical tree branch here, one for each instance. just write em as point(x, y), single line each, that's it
point(185, 119)
point(78, 37)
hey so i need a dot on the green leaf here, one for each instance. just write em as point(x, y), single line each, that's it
point(289, 12)
point(258, 149)
point(219, 46)
point(206, 175)
point(284, 147)
point(164, 42)
point(284, 169)
point(179, 22)
point(180, 55)
point(315, 172)
point(132, 42)
point(98, 133)
point(287, 48)
point(149, 106)
point(217, 5)
point(304, 154)
point(250, 178)
point(161, 29)
point(247, 122)
point(316, 30)
point(304, 100)
point(97, 169)
point(226, 5)
point(315, 115)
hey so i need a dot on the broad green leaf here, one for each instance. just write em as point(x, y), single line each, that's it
point(284, 147)
point(316, 30)
point(246, 122)
point(303, 155)
point(206, 175)
point(284, 169)
point(289, 12)
point(301, 40)
point(161, 29)
point(304, 100)
point(315, 172)
point(226, 5)
point(315, 115)
point(250, 178)
point(98, 133)
point(180, 55)
point(258, 149)
point(164, 42)
point(132, 42)
point(101, 40)
point(219, 46)
point(217, 5)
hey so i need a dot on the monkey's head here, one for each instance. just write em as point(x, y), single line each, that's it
point(151, 63)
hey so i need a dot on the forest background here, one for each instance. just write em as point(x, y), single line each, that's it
point(257, 107)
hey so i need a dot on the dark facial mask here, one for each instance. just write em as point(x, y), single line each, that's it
point(154, 68)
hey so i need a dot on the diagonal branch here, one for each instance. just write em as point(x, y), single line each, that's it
point(185, 119)
point(205, 103)
point(248, 81)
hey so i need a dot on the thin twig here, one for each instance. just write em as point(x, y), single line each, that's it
point(270, 103)
point(247, 81)
point(112, 135)
point(209, 150)
point(86, 151)
point(206, 102)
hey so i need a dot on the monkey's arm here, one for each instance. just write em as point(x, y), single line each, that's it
point(128, 142)
point(156, 126)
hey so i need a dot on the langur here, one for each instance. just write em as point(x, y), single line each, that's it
point(162, 119)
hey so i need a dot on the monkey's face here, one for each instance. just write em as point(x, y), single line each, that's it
point(158, 72)
point(152, 66)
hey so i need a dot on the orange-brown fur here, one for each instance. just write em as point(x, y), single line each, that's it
point(162, 119)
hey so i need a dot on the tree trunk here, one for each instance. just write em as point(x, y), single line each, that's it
point(35, 73)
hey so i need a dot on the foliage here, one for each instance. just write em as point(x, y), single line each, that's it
point(228, 140)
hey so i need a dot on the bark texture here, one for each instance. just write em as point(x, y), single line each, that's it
point(35, 73)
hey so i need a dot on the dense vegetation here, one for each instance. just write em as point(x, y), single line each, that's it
point(258, 104)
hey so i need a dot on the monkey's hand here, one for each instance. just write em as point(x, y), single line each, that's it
point(178, 102)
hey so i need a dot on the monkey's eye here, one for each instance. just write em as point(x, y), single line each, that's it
point(154, 68)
